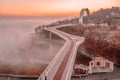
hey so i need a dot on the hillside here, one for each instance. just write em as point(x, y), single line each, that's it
point(109, 12)
point(101, 40)
point(111, 16)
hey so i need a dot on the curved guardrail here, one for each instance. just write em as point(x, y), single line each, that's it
point(54, 64)
point(52, 68)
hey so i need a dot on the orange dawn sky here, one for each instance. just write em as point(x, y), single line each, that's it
point(51, 7)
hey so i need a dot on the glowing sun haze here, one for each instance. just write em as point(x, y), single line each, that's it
point(51, 7)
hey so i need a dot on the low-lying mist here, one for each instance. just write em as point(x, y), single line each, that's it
point(23, 52)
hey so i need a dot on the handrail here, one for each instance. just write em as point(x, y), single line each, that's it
point(52, 63)
point(51, 69)
point(18, 76)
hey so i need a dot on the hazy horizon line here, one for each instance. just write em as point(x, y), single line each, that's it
point(37, 16)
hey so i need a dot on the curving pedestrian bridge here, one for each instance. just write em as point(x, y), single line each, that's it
point(61, 67)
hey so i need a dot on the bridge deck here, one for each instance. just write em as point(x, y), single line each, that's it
point(62, 66)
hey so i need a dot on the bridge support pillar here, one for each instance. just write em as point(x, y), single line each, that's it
point(50, 35)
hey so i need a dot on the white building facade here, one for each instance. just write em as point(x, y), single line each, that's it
point(100, 64)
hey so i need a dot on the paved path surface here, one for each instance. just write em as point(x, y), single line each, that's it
point(62, 65)
point(61, 68)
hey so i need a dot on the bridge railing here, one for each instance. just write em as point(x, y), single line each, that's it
point(65, 25)
point(73, 56)
point(51, 69)
point(70, 63)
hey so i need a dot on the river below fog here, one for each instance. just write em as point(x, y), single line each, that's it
point(22, 52)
